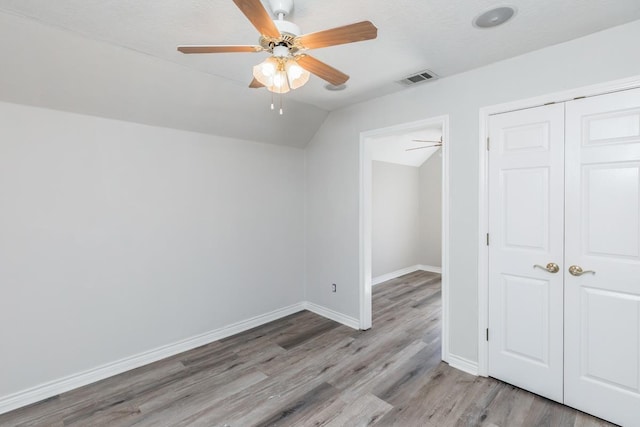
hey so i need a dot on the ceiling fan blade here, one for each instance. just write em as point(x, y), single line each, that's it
point(322, 70)
point(219, 49)
point(358, 32)
point(255, 84)
point(259, 17)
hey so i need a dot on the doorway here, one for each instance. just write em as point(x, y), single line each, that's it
point(421, 131)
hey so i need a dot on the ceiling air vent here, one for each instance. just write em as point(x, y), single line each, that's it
point(420, 77)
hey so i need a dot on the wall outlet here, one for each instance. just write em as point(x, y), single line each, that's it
point(334, 287)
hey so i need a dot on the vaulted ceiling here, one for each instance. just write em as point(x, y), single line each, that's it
point(118, 58)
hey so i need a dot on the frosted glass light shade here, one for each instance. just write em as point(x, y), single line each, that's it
point(280, 75)
point(279, 83)
point(265, 71)
point(297, 75)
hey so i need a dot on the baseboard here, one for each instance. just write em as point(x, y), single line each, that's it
point(430, 268)
point(53, 388)
point(383, 278)
point(333, 315)
point(463, 364)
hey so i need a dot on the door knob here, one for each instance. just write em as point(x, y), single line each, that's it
point(552, 267)
point(576, 270)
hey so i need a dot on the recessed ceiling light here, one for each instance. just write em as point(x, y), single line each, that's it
point(494, 17)
point(334, 88)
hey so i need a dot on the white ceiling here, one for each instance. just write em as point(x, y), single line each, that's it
point(393, 148)
point(412, 35)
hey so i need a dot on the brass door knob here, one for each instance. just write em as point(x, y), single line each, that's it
point(576, 270)
point(552, 267)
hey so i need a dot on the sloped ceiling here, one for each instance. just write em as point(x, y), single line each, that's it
point(406, 148)
point(118, 58)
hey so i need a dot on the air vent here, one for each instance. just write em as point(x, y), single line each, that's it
point(420, 77)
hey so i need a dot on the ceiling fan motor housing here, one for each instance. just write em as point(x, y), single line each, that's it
point(287, 27)
point(281, 7)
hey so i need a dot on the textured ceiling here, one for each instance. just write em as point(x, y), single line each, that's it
point(412, 35)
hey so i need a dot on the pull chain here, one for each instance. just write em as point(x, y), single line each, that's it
point(281, 111)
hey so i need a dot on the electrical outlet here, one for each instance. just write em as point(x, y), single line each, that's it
point(334, 288)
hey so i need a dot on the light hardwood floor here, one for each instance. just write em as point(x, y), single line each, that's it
point(305, 370)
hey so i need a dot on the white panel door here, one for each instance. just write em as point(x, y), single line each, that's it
point(526, 229)
point(602, 309)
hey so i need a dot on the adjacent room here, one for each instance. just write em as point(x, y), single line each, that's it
point(277, 212)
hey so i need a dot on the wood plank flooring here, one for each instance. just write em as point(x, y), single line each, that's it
point(305, 370)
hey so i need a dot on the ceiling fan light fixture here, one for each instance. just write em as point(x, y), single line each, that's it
point(296, 75)
point(280, 75)
point(266, 70)
point(289, 66)
point(280, 83)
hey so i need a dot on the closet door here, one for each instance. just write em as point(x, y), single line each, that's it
point(602, 303)
point(526, 229)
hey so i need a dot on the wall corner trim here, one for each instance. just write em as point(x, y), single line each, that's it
point(331, 314)
point(53, 388)
point(463, 364)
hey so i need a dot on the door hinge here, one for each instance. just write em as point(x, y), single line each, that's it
point(487, 334)
point(488, 143)
point(487, 239)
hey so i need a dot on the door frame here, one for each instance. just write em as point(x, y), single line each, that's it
point(366, 232)
point(483, 188)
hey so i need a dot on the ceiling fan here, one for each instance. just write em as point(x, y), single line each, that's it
point(289, 65)
point(431, 145)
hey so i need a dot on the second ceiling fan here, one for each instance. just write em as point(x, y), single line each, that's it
point(289, 65)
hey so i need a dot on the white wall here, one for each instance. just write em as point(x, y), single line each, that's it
point(332, 207)
point(117, 238)
point(430, 207)
point(395, 217)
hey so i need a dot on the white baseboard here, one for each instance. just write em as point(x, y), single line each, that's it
point(53, 388)
point(430, 268)
point(463, 364)
point(383, 278)
point(333, 315)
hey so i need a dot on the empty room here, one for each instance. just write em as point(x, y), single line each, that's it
point(303, 213)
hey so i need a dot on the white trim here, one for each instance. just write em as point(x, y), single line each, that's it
point(349, 321)
point(444, 262)
point(394, 274)
point(365, 220)
point(463, 364)
point(53, 388)
point(483, 204)
point(483, 249)
point(430, 268)
point(365, 234)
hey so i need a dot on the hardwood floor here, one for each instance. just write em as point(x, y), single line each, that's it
point(305, 370)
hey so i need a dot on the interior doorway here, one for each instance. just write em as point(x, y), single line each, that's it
point(414, 142)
